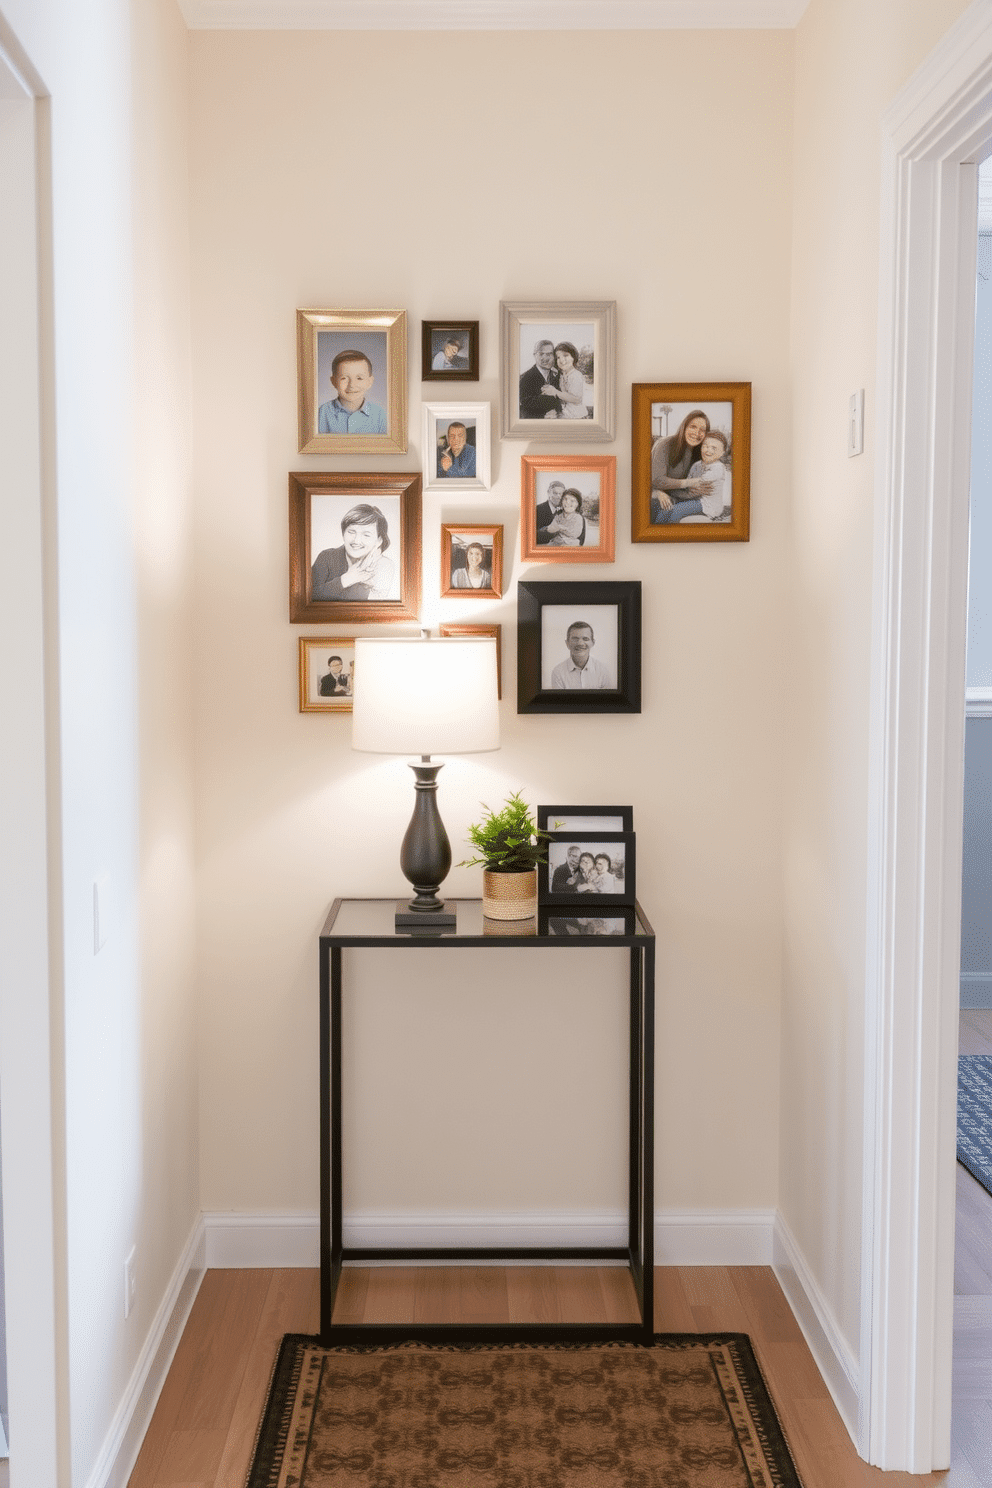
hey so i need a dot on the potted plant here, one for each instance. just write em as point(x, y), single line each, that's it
point(509, 847)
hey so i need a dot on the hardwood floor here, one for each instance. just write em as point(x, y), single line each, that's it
point(202, 1432)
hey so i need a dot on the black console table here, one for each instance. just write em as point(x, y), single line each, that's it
point(368, 924)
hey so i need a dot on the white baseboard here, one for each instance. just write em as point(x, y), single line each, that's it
point(834, 1358)
point(682, 1238)
point(120, 1450)
point(975, 989)
point(225, 1240)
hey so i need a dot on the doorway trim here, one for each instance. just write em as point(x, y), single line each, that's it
point(934, 134)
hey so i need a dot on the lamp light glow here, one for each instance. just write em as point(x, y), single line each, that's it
point(425, 697)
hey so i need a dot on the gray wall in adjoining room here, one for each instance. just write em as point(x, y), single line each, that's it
point(976, 881)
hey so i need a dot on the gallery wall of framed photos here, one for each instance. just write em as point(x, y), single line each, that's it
point(453, 210)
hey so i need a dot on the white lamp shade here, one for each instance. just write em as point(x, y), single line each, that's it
point(425, 696)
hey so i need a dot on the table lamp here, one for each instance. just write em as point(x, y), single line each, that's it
point(425, 697)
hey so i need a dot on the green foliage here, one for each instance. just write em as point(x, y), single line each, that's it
point(507, 841)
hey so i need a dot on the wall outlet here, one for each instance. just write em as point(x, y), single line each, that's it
point(130, 1282)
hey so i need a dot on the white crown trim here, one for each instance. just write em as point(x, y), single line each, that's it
point(491, 15)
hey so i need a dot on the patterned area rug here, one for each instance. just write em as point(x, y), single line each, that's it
point(691, 1412)
point(975, 1116)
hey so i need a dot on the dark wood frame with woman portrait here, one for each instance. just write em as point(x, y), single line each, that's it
point(496, 631)
point(480, 530)
point(605, 466)
point(570, 897)
point(363, 487)
point(652, 401)
point(532, 696)
point(468, 330)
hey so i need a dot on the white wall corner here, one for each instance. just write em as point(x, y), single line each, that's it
point(832, 1354)
point(127, 1431)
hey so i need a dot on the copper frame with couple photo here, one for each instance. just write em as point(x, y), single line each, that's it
point(567, 508)
point(354, 546)
point(351, 382)
point(691, 462)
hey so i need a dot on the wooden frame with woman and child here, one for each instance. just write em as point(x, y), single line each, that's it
point(691, 457)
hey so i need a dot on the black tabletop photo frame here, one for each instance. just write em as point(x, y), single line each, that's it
point(568, 818)
point(550, 616)
point(565, 868)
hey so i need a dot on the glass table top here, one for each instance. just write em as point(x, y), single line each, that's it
point(374, 920)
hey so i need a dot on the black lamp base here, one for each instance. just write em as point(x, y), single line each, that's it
point(425, 857)
point(427, 922)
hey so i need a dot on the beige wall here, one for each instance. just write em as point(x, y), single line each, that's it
point(351, 170)
point(842, 90)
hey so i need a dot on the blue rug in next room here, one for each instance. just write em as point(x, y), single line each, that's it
point(975, 1116)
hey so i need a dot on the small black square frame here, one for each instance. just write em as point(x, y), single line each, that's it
point(433, 337)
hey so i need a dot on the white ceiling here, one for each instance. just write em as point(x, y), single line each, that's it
point(490, 15)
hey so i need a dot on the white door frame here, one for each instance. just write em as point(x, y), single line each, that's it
point(935, 131)
point(30, 999)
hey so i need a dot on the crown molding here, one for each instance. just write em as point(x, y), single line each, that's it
point(491, 15)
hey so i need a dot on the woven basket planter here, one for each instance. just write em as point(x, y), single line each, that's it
point(509, 896)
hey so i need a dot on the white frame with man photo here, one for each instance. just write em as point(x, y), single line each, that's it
point(325, 688)
point(376, 385)
point(472, 425)
point(554, 344)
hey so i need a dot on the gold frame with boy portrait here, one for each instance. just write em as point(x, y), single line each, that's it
point(312, 647)
point(655, 406)
point(353, 328)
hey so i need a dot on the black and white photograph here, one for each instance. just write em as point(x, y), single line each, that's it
point(351, 370)
point(327, 673)
point(354, 546)
point(567, 505)
point(590, 924)
point(691, 462)
point(578, 647)
point(558, 376)
point(589, 869)
point(450, 351)
point(456, 446)
point(471, 561)
point(558, 369)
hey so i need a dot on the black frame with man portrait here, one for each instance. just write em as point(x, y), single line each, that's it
point(659, 412)
point(534, 694)
point(589, 328)
point(587, 842)
point(377, 337)
point(435, 335)
point(400, 491)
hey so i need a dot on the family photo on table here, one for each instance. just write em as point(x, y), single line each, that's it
point(557, 371)
point(585, 867)
point(691, 463)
